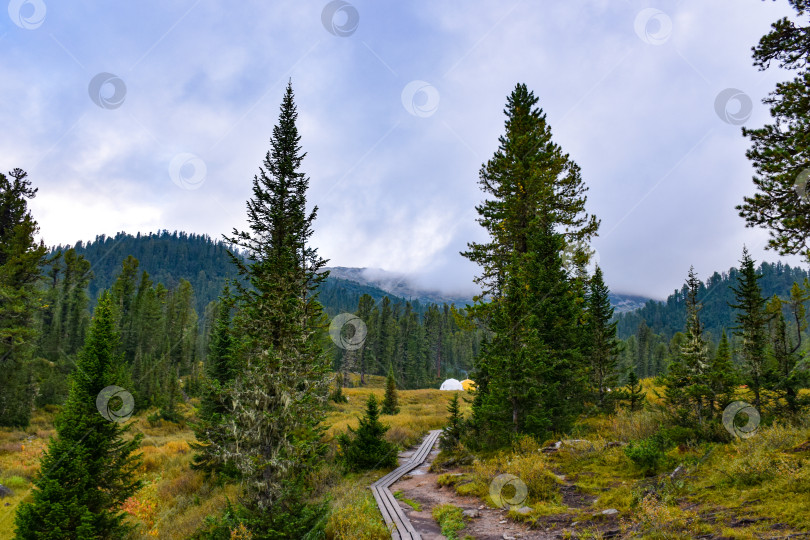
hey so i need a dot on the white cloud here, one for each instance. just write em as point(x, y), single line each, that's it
point(394, 191)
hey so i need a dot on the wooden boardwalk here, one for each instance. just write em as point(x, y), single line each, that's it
point(398, 523)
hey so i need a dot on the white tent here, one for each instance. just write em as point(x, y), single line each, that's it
point(451, 384)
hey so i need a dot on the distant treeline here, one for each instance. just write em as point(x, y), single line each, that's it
point(166, 288)
point(715, 295)
point(200, 260)
point(653, 334)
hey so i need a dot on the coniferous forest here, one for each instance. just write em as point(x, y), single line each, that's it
point(175, 385)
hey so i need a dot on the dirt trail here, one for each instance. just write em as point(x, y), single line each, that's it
point(491, 524)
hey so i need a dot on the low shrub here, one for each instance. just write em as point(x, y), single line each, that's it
point(366, 448)
point(14, 482)
point(450, 518)
point(647, 453)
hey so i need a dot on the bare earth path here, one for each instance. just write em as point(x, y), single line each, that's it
point(420, 485)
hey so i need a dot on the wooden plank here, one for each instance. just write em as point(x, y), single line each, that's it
point(395, 518)
point(388, 515)
point(417, 459)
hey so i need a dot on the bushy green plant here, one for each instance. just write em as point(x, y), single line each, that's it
point(633, 392)
point(679, 434)
point(450, 439)
point(647, 453)
point(304, 520)
point(366, 448)
point(450, 519)
point(391, 401)
point(337, 394)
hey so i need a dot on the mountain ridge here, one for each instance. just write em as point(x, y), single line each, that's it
point(205, 263)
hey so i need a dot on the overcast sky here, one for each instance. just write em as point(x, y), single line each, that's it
point(141, 116)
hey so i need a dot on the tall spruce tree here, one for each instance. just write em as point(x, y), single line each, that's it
point(220, 371)
point(722, 375)
point(450, 439)
point(21, 259)
point(276, 402)
point(390, 401)
point(785, 380)
point(752, 324)
point(365, 306)
point(534, 366)
point(687, 392)
point(601, 344)
point(780, 152)
point(64, 319)
point(633, 391)
point(89, 469)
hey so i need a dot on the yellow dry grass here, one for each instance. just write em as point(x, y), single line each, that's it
point(420, 412)
point(175, 499)
point(761, 476)
point(173, 502)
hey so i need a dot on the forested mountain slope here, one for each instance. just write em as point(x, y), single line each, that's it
point(203, 262)
point(716, 296)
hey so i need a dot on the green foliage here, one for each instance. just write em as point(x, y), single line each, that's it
point(789, 375)
point(398, 495)
point(779, 150)
point(680, 434)
point(601, 345)
point(722, 375)
point(450, 439)
point(337, 394)
point(297, 520)
point(450, 518)
point(687, 394)
point(366, 448)
point(423, 343)
point(666, 319)
point(21, 259)
point(633, 392)
point(220, 371)
point(159, 337)
point(276, 402)
point(752, 320)
point(63, 322)
point(89, 468)
point(647, 453)
point(531, 373)
point(389, 405)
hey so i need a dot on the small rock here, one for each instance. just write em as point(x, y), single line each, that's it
point(553, 448)
point(610, 511)
point(471, 513)
point(524, 510)
point(5, 492)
